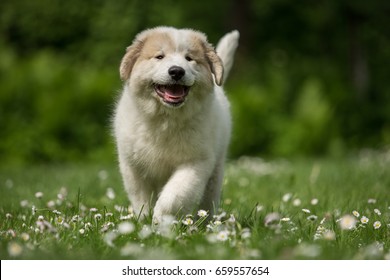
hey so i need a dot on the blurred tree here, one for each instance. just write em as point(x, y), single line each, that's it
point(307, 78)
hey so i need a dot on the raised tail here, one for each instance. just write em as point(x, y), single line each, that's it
point(226, 48)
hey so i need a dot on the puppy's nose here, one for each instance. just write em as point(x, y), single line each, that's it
point(176, 72)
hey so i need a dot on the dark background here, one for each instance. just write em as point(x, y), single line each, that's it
point(311, 78)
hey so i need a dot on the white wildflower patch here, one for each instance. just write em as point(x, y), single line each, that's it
point(347, 222)
point(126, 228)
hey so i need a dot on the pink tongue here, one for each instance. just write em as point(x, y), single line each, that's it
point(174, 91)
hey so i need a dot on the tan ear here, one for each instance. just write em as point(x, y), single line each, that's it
point(128, 61)
point(215, 63)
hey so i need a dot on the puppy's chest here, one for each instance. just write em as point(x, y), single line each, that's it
point(161, 149)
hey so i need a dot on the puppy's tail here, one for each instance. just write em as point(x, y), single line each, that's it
point(226, 48)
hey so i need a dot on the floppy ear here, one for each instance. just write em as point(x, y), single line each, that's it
point(215, 63)
point(128, 61)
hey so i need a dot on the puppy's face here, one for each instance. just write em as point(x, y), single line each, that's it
point(170, 66)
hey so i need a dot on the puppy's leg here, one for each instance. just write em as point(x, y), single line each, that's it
point(184, 190)
point(139, 193)
point(212, 193)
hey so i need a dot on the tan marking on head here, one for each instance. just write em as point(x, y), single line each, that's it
point(146, 45)
point(200, 47)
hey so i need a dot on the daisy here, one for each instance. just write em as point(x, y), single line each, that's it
point(98, 216)
point(356, 213)
point(364, 220)
point(347, 222)
point(126, 228)
point(306, 211)
point(285, 219)
point(202, 213)
point(188, 221)
point(377, 225)
point(312, 218)
point(287, 197)
point(297, 202)
point(377, 212)
point(329, 235)
point(223, 235)
point(82, 231)
point(371, 201)
point(93, 210)
point(39, 195)
point(314, 201)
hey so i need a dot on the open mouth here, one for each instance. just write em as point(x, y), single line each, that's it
point(174, 94)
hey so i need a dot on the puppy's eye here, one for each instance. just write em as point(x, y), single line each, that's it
point(159, 57)
point(188, 58)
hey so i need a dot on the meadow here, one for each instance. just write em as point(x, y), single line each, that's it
point(328, 208)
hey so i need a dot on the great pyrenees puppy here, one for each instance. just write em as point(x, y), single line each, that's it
point(172, 123)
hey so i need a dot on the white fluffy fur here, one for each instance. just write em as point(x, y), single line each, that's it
point(172, 157)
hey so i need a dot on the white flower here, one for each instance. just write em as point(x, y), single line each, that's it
point(259, 208)
point(39, 195)
point(98, 216)
point(312, 218)
point(271, 219)
point(356, 213)
point(217, 223)
point(202, 213)
point(109, 214)
point(246, 233)
point(24, 203)
point(285, 219)
point(364, 220)
point(126, 228)
point(110, 193)
point(297, 202)
point(82, 231)
point(25, 236)
point(377, 225)
point(287, 197)
point(232, 219)
point(40, 218)
point(347, 222)
point(306, 211)
point(377, 212)
point(371, 201)
point(14, 249)
point(329, 235)
point(93, 210)
point(314, 201)
point(145, 232)
point(223, 235)
point(8, 216)
point(188, 221)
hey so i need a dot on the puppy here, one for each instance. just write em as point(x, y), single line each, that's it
point(172, 123)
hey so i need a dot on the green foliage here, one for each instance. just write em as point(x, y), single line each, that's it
point(308, 79)
point(80, 212)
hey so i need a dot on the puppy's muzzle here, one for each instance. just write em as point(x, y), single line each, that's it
point(176, 72)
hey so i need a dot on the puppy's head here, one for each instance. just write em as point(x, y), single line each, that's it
point(169, 65)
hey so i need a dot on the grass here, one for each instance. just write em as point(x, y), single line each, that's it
point(279, 209)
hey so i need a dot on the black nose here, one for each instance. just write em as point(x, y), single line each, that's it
point(176, 72)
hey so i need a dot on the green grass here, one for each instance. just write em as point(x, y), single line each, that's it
point(64, 227)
